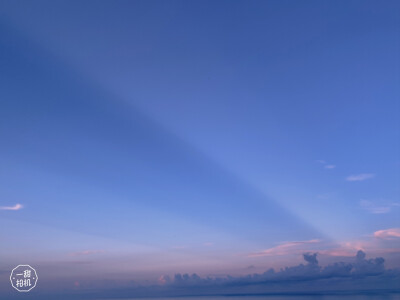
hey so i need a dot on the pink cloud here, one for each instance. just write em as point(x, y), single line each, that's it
point(346, 248)
point(285, 248)
point(376, 243)
point(338, 252)
point(15, 207)
point(163, 279)
point(387, 234)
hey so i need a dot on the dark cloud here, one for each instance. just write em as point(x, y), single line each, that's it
point(308, 276)
point(358, 275)
point(360, 255)
point(311, 258)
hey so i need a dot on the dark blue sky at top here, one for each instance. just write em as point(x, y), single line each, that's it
point(176, 123)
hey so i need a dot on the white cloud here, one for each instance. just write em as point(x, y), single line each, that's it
point(15, 207)
point(326, 165)
point(360, 177)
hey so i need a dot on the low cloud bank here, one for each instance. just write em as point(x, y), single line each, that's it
point(360, 267)
point(360, 275)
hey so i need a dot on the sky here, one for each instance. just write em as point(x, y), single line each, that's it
point(144, 139)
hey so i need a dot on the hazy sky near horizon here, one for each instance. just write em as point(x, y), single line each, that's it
point(216, 137)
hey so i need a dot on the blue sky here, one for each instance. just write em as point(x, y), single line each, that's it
point(203, 137)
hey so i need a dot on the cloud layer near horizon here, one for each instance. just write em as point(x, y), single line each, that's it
point(353, 275)
point(311, 270)
point(360, 274)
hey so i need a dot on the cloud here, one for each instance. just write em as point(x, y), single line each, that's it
point(345, 248)
point(285, 248)
point(164, 279)
point(357, 273)
point(311, 258)
point(376, 209)
point(379, 242)
point(360, 255)
point(326, 165)
point(86, 252)
point(15, 207)
point(302, 276)
point(360, 177)
point(386, 241)
point(387, 234)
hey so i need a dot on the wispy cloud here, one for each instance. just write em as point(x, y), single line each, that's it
point(285, 248)
point(388, 234)
point(360, 177)
point(379, 242)
point(377, 209)
point(326, 165)
point(15, 207)
point(86, 252)
point(345, 248)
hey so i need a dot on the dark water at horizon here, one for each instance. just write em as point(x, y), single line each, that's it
point(274, 297)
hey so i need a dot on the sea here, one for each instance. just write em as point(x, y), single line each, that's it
point(286, 297)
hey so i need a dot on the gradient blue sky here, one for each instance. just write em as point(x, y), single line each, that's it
point(151, 137)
